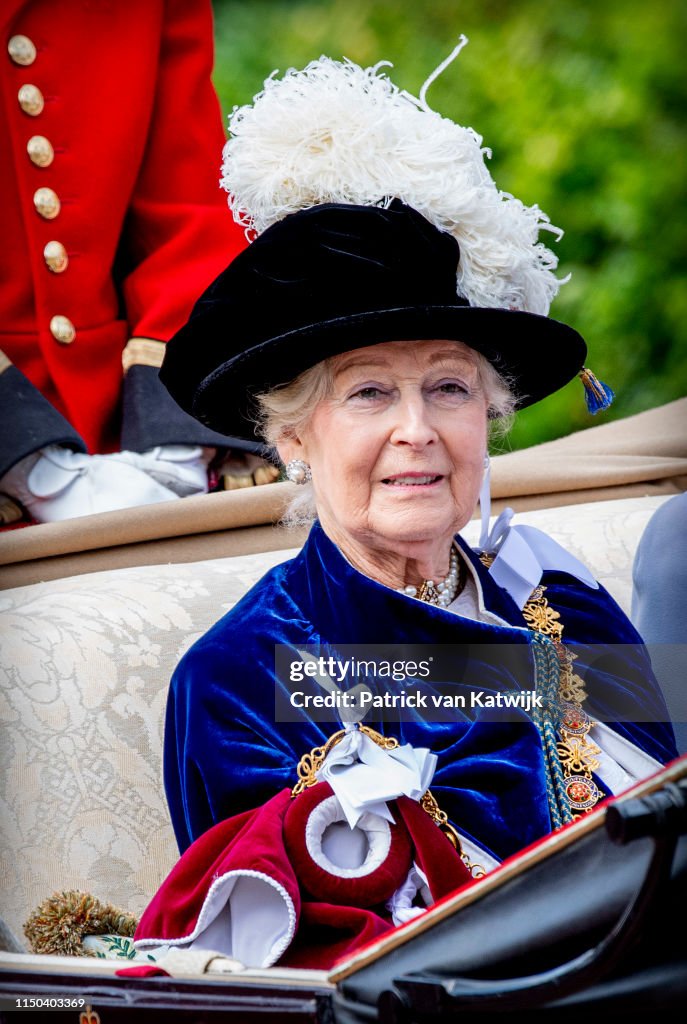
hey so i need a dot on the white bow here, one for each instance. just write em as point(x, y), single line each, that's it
point(523, 554)
point(364, 776)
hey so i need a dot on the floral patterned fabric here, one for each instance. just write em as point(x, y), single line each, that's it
point(116, 947)
point(84, 668)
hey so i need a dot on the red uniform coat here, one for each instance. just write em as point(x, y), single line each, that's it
point(125, 131)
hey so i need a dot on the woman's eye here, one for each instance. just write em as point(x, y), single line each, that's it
point(369, 392)
point(452, 387)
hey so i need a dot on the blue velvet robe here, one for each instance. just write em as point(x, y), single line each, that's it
point(224, 752)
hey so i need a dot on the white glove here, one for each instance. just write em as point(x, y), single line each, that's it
point(182, 468)
point(56, 483)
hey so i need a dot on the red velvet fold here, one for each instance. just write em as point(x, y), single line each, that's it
point(270, 841)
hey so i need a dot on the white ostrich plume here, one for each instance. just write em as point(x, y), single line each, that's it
point(338, 133)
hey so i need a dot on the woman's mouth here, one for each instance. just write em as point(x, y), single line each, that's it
point(413, 479)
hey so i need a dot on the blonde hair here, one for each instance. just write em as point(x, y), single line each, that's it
point(284, 412)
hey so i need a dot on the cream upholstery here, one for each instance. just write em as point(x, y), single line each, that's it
point(84, 670)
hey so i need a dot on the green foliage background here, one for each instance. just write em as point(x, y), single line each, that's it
point(581, 102)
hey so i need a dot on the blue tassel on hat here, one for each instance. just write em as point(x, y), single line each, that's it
point(597, 395)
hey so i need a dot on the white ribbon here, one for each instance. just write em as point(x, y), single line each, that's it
point(364, 776)
point(523, 554)
point(400, 904)
point(485, 507)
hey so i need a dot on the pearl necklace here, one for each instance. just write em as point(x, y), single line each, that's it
point(443, 593)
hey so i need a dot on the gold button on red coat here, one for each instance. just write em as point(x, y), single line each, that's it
point(55, 256)
point(62, 330)
point(31, 100)
point(40, 151)
point(47, 203)
point(22, 50)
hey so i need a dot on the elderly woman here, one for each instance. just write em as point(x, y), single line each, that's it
point(341, 331)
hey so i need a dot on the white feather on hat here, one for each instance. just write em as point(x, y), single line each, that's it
point(338, 133)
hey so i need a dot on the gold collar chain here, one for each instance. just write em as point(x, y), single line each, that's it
point(575, 750)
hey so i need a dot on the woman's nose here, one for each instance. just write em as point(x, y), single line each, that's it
point(412, 423)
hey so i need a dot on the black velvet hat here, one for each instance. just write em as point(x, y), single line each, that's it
point(336, 277)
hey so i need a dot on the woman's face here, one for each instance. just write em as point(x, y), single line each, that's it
point(397, 450)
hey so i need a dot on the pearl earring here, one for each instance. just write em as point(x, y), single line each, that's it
point(298, 471)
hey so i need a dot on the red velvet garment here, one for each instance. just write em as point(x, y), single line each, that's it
point(268, 845)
